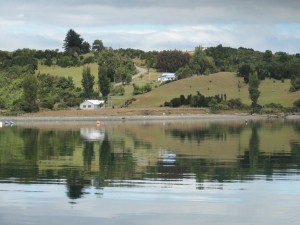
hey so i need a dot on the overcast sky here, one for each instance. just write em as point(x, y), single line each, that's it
point(152, 24)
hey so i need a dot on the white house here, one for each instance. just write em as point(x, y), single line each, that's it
point(166, 77)
point(92, 104)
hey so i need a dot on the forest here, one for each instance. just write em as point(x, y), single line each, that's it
point(22, 89)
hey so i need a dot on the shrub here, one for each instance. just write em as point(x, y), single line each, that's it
point(235, 103)
point(118, 90)
point(297, 103)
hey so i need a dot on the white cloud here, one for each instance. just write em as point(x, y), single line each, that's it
point(152, 24)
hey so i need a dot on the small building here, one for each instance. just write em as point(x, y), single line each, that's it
point(166, 77)
point(92, 104)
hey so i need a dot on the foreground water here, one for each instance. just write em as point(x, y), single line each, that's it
point(150, 173)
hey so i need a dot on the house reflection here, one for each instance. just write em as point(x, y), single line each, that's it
point(92, 133)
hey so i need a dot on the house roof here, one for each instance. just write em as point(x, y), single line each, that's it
point(168, 75)
point(95, 102)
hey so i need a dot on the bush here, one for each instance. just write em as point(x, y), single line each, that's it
point(141, 90)
point(297, 103)
point(118, 90)
point(48, 103)
point(89, 60)
point(236, 103)
point(62, 105)
point(175, 102)
point(273, 106)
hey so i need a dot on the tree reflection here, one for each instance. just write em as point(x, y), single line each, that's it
point(254, 147)
point(75, 184)
point(30, 138)
point(88, 154)
point(252, 160)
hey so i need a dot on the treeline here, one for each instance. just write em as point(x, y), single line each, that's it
point(243, 61)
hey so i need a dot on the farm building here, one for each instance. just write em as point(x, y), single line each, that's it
point(92, 104)
point(166, 77)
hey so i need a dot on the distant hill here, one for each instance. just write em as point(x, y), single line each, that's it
point(272, 91)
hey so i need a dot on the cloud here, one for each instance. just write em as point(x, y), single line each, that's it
point(152, 24)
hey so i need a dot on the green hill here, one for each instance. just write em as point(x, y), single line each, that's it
point(272, 91)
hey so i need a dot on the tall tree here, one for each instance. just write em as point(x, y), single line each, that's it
point(244, 71)
point(253, 89)
point(30, 90)
point(86, 47)
point(88, 81)
point(97, 46)
point(73, 41)
point(103, 81)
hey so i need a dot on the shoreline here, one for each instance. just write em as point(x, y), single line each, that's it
point(94, 118)
point(142, 114)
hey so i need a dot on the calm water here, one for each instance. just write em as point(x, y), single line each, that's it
point(150, 173)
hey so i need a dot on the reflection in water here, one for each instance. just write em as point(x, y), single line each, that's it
point(214, 151)
point(92, 134)
point(152, 160)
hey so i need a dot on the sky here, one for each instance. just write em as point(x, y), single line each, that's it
point(152, 24)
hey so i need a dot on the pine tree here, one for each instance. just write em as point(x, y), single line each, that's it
point(73, 41)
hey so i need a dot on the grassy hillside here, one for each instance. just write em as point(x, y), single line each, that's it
point(74, 72)
point(220, 83)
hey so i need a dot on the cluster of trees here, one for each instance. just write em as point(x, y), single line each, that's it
point(199, 100)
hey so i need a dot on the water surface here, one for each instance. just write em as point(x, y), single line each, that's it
point(189, 172)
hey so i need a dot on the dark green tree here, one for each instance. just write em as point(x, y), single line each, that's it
point(86, 47)
point(30, 90)
point(97, 46)
point(184, 72)
point(200, 63)
point(73, 41)
point(244, 71)
point(267, 56)
point(171, 61)
point(88, 81)
point(253, 89)
point(297, 103)
point(103, 81)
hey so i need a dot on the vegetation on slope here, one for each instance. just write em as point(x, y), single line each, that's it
point(60, 76)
